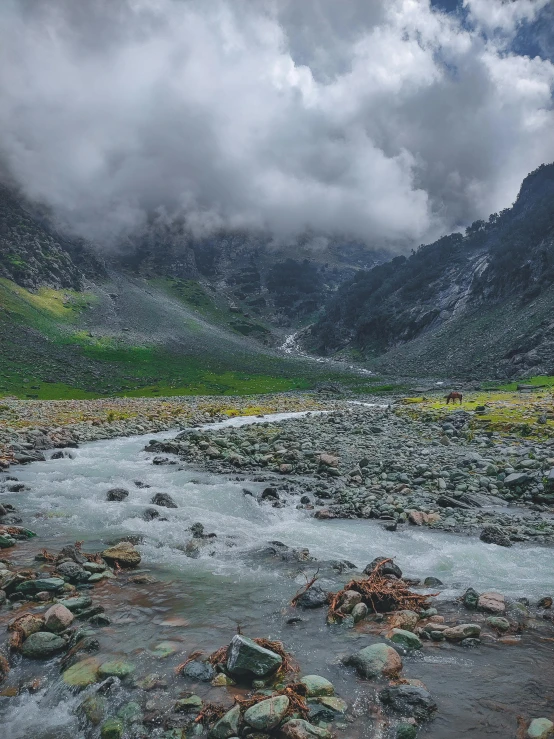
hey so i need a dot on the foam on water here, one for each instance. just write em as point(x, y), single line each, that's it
point(70, 495)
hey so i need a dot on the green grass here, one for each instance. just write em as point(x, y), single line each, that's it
point(545, 380)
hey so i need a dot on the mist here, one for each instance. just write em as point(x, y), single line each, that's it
point(388, 121)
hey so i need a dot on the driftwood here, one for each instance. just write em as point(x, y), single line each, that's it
point(381, 594)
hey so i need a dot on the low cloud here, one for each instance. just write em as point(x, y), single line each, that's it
point(388, 121)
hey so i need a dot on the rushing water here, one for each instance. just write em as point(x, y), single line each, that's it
point(198, 603)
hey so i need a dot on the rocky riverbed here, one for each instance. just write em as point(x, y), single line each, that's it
point(225, 551)
point(379, 461)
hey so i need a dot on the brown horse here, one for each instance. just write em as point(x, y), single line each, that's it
point(454, 396)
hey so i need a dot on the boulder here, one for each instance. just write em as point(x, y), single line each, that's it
point(111, 729)
point(498, 623)
point(492, 603)
point(42, 645)
point(315, 597)
point(58, 618)
point(197, 670)
point(409, 700)
point(375, 661)
point(42, 583)
point(540, 728)
point(470, 599)
point(116, 668)
point(462, 631)
point(350, 599)
point(317, 686)
point(406, 639)
point(124, 553)
point(248, 659)
point(406, 620)
point(389, 568)
point(163, 499)
point(406, 731)
point(516, 478)
point(82, 674)
point(495, 535)
point(72, 571)
point(78, 603)
point(267, 714)
point(359, 612)
point(227, 726)
point(117, 494)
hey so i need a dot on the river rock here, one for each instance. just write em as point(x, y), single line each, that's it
point(315, 597)
point(350, 599)
point(267, 714)
point(317, 686)
point(495, 535)
point(227, 726)
point(406, 620)
point(390, 568)
point(406, 639)
point(42, 583)
point(470, 599)
point(115, 668)
point(42, 645)
point(76, 604)
point(516, 478)
point(94, 708)
point(164, 500)
point(124, 553)
point(492, 603)
point(409, 700)
point(406, 731)
point(297, 728)
point(117, 494)
point(499, 623)
point(197, 670)
point(72, 571)
point(540, 728)
point(359, 612)
point(192, 704)
point(58, 618)
point(376, 660)
point(246, 658)
point(82, 674)
point(27, 624)
point(462, 631)
point(112, 729)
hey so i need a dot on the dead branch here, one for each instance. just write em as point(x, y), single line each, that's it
point(305, 589)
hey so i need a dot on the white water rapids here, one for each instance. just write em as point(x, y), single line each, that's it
point(69, 496)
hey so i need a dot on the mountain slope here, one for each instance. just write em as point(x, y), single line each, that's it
point(473, 305)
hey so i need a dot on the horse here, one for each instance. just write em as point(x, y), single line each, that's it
point(453, 396)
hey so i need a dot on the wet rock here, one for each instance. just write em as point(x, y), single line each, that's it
point(93, 708)
point(116, 668)
point(117, 494)
point(73, 572)
point(317, 686)
point(389, 568)
point(42, 645)
point(27, 624)
point(192, 704)
point(406, 620)
point(433, 582)
point(222, 681)
point(58, 618)
point(492, 603)
point(112, 729)
point(43, 583)
point(545, 602)
point(267, 714)
point(516, 478)
point(359, 612)
point(470, 599)
point(470, 643)
point(499, 623)
point(227, 726)
point(540, 728)
point(495, 535)
point(164, 500)
point(409, 700)
point(462, 631)
point(297, 728)
point(201, 671)
point(246, 658)
point(150, 514)
point(376, 660)
point(350, 599)
point(130, 713)
point(73, 553)
point(406, 639)
point(270, 493)
point(76, 604)
point(406, 731)
point(124, 553)
point(315, 597)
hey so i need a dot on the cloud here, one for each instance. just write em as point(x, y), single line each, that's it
point(386, 121)
point(503, 15)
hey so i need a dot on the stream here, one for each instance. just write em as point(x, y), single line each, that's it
point(198, 603)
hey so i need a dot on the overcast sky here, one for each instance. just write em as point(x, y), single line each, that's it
point(387, 120)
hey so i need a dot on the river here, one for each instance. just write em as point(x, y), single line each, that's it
point(198, 603)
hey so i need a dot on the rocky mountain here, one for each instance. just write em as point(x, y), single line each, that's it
point(474, 304)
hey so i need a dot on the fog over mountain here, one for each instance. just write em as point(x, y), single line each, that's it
point(392, 121)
